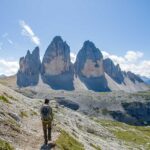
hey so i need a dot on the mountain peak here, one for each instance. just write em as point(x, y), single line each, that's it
point(28, 73)
point(133, 77)
point(114, 71)
point(57, 39)
point(89, 44)
point(56, 69)
point(28, 52)
point(36, 52)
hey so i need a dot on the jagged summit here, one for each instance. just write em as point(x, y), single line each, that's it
point(57, 47)
point(57, 38)
point(133, 77)
point(89, 67)
point(87, 53)
point(28, 73)
point(36, 52)
point(90, 48)
point(114, 71)
point(89, 44)
point(56, 69)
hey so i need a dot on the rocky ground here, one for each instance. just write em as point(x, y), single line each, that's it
point(83, 120)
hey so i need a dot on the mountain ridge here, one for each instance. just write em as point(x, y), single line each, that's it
point(57, 70)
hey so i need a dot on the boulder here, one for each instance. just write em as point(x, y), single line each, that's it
point(15, 116)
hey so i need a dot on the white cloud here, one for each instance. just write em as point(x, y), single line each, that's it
point(116, 59)
point(27, 31)
point(131, 61)
point(73, 57)
point(10, 41)
point(133, 56)
point(8, 67)
point(6, 36)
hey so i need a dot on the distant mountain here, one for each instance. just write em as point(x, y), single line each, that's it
point(2, 76)
point(114, 71)
point(90, 71)
point(145, 79)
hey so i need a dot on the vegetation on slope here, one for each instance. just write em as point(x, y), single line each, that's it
point(67, 142)
point(4, 99)
point(23, 114)
point(95, 147)
point(144, 94)
point(135, 135)
point(5, 145)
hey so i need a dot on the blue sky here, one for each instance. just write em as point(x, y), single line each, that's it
point(120, 28)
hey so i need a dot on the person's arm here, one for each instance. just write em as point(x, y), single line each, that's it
point(52, 115)
point(41, 111)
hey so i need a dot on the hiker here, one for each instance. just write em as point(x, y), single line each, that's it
point(46, 117)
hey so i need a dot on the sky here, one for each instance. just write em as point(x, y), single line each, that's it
point(119, 28)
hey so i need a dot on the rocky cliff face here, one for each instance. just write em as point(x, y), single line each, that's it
point(133, 77)
point(56, 69)
point(28, 74)
point(89, 67)
point(90, 70)
point(113, 70)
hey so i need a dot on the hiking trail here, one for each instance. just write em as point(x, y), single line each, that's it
point(35, 140)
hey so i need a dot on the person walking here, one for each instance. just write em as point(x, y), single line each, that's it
point(47, 118)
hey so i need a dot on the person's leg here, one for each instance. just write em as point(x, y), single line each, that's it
point(49, 131)
point(45, 131)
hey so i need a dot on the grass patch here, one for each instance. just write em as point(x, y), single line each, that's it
point(96, 147)
point(4, 99)
point(12, 124)
point(67, 142)
point(23, 114)
point(131, 135)
point(144, 94)
point(10, 97)
point(105, 111)
point(5, 145)
point(34, 113)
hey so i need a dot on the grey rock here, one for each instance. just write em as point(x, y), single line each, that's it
point(136, 113)
point(89, 67)
point(28, 73)
point(57, 69)
point(113, 70)
point(15, 116)
point(133, 77)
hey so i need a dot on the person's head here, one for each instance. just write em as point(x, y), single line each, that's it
point(46, 101)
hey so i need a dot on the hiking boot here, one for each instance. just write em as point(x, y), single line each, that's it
point(46, 142)
point(49, 138)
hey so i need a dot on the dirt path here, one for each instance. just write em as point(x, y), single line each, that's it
point(35, 139)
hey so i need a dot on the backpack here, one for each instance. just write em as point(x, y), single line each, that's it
point(46, 113)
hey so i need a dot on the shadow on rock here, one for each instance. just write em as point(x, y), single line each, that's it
point(136, 113)
point(68, 103)
point(97, 84)
point(48, 147)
